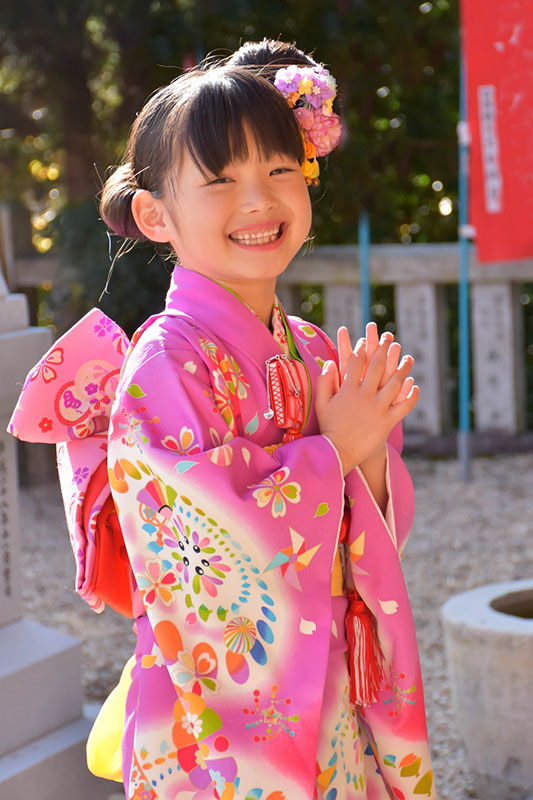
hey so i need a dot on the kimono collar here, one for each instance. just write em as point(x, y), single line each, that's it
point(221, 311)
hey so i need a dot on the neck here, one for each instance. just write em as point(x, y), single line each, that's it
point(259, 295)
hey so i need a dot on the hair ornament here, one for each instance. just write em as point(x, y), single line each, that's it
point(310, 92)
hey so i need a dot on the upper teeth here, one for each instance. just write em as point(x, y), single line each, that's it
point(250, 236)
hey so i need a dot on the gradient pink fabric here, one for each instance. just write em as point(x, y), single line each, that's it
point(240, 687)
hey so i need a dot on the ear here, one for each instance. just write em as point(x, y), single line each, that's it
point(151, 216)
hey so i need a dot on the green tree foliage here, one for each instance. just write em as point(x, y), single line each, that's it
point(73, 73)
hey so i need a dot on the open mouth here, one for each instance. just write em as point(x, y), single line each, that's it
point(257, 238)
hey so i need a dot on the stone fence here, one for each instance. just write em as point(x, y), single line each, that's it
point(419, 274)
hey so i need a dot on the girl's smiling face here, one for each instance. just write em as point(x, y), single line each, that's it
point(215, 160)
point(243, 225)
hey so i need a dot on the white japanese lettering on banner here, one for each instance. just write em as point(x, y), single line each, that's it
point(490, 149)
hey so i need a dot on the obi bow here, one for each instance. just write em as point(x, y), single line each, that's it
point(66, 400)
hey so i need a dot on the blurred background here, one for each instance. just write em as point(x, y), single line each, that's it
point(73, 74)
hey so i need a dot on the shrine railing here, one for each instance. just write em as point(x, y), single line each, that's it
point(419, 275)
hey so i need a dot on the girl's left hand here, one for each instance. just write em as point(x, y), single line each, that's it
point(370, 342)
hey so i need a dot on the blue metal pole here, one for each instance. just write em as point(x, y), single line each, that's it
point(463, 443)
point(364, 267)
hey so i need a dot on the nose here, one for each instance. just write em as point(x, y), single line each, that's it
point(257, 195)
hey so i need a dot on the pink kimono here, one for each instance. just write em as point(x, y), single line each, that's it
point(240, 686)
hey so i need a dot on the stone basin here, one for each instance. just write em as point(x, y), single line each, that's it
point(489, 647)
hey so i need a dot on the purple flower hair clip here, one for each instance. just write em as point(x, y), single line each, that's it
point(310, 92)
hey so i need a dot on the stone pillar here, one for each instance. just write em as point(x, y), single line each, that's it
point(289, 297)
point(342, 306)
point(497, 339)
point(20, 348)
point(421, 334)
point(43, 730)
point(488, 633)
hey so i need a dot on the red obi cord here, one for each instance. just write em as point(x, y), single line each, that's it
point(365, 658)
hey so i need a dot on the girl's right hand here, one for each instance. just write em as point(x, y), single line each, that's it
point(371, 341)
point(359, 414)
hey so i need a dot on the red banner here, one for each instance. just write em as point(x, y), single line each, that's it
point(498, 53)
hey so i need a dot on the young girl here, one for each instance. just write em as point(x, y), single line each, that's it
point(255, 474)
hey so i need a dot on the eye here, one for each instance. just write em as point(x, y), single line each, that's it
point(218, 181)
point(281, 170)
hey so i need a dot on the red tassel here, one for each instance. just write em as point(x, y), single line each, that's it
point(365, 663)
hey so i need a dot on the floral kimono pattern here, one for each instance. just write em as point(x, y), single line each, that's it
point(239, 687)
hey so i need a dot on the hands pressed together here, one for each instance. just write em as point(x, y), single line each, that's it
point(358, 404)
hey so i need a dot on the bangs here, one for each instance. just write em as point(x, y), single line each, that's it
point(221, 104)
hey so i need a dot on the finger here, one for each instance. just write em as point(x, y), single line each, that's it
point(360, 347)
point(402, 409)
point(356, 365)
point(407, 385)
point(386, 339)
point(405, 367)
point(376, 368)
point(344, 347)
point(362, 343)
point(327, 385)
point(374, 343)
point(392, 387)
point(391, 364)
point(360, 351)
point(372, 339)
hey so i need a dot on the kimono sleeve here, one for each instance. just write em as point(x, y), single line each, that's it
point(400, 509)
point(395, 721)
point(231, 546)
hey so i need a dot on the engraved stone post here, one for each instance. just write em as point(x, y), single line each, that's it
point(418, 322)
point(19, 349)
point(9, 559)
point(497, 350)
point(289, 297)
point(42, 729)
point(342, 306)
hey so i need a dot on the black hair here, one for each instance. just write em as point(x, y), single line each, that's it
point(269, 55)
point(205, 111)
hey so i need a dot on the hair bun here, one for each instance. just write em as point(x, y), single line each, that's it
point(115, 202)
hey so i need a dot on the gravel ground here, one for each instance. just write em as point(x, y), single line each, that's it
point(464, 535)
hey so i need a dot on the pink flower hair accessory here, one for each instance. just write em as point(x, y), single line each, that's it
point(310, 92)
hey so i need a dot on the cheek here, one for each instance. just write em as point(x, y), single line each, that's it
point(306, 212)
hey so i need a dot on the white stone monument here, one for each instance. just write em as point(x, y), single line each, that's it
point(498, 348)
point(417, 317)
point(489, 644)
point(42, 730)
